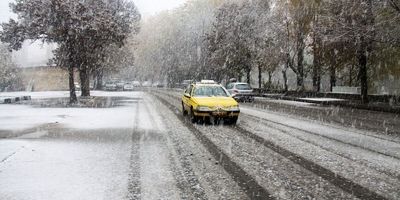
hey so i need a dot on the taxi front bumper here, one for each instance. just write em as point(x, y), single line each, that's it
point(217, 113)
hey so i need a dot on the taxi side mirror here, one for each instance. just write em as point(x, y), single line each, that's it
point(187, 95)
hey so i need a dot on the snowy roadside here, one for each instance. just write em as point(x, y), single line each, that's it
point(16, 118)
point(61, 94)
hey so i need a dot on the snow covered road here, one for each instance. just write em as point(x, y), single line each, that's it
point(146, 149)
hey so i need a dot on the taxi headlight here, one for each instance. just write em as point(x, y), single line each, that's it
point(234, 108)
point(203, 108)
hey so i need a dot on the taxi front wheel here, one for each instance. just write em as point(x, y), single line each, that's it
point(234, 120)
point(183, 110)
point(193, 118)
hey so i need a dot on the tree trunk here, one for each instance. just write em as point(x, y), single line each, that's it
point(362, 61)
point(259, 77)
point(365, 47)
point(285, 80)
point(316, 77)
point(316, 64)
point(332, 77)
point(270, 78)
point(99, 79)
point(72, 93)
point(248, 76)
point(85, 81)
point(300, 67)
point(351, 75)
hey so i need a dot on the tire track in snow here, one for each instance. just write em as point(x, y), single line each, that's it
point(337, 115)
point(134, 186)
point(186, 180)
point(10, 155)
point(286, 132)
point(248, 184)
point(388, 154)
point(333, 125)
point(337, 180)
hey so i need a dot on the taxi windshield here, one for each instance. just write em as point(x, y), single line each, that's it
point(209, 91)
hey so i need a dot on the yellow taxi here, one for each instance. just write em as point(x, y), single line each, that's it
point(209, 100)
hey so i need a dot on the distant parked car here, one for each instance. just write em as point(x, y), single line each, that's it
point(157, 85)
point(185, 83)
point(110, 86)
point(146, 84)
point(77, 86)
point(120, 85)
point(128, 87)
point(136, 84)
point(241, 91)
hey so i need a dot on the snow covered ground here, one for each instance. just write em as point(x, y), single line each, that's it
point(322, 99)
point(20, 117)
point(286, 102)
point(146, 149)
point(59, 94)
point(126, 152)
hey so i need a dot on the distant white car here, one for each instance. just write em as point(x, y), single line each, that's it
point(77, 86)
point(146, 84)
point(110, 86)
point(120, 85)
point(128, 87)
point(158, 85)
point(136, 84)
point(241, 91)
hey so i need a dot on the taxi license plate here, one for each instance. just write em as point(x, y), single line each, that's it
point(219, 113)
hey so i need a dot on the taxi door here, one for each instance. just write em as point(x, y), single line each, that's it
point(185, 99)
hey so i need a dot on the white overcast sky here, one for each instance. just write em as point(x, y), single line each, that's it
point(34, 55)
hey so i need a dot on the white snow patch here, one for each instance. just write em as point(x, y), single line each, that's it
point(64, 170)
point(36, 95)
point(322, 99)
point(34, 135)
point(20, 117)
point(286, 102)
point(61, 94)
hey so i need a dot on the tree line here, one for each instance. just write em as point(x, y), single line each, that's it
point(217, 39)
point(89, 34)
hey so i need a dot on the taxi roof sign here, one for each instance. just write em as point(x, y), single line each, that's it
point(208, 82)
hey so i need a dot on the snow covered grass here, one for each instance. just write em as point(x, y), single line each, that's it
point(21, 117)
